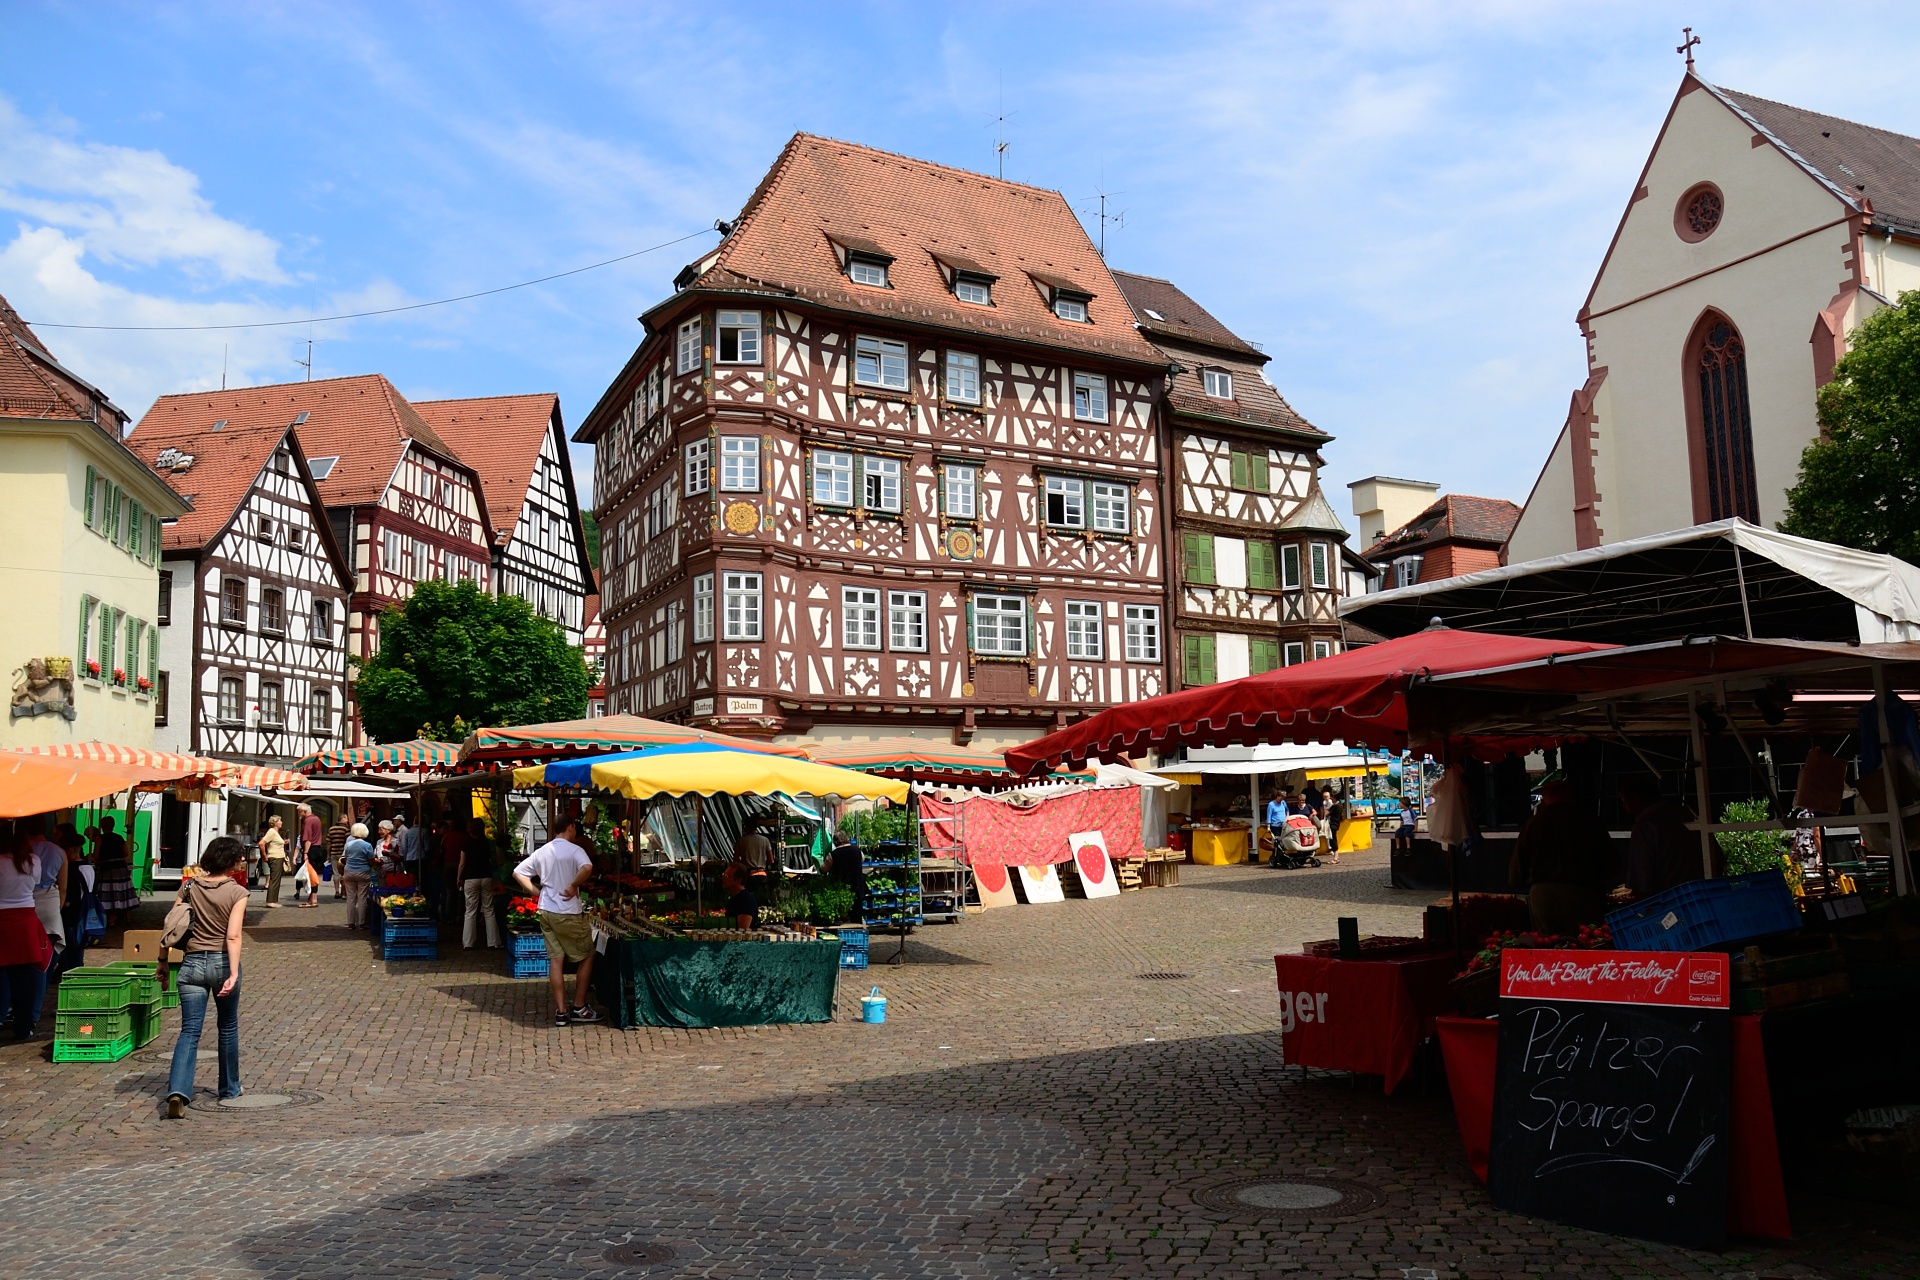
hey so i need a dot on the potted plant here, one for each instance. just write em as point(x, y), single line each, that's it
point(523, 915)
point(143, 684)
point(120, 676)
point(93, 669)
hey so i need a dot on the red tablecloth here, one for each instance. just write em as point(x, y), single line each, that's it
point(1756, 1193)
point(1360, 1015)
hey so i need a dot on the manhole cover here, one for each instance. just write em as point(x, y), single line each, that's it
point(256, 1101)
point(1160, 977)
point(1265, 1197)
point(206, 1103)
point(639, 1253)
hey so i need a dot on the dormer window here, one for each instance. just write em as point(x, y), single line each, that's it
point(1070, 306)
point(1155, 315)
point(1219, 383)
point(865, 270)
point(322, 467)
point(973, 289)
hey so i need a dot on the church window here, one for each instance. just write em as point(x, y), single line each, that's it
point(1698, 214)
point(1720, 423)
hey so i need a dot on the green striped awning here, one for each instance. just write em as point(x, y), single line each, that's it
point(527, 744)
point(422, 755)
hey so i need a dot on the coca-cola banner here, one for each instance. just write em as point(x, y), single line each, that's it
point(1688, 979)
point(998, 833)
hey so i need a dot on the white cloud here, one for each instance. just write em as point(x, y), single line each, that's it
point(128, 206)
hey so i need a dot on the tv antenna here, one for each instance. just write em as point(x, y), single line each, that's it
point(1000, 143)
point(1115, 220)
point(223, 364)
point(307, 364)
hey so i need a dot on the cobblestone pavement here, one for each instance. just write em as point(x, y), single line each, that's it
point(1030, 1108)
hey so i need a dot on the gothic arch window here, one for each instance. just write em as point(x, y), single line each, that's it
point(1719, 422)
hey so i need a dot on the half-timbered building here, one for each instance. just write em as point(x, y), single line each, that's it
point(518, 446)
point(1255, 568)
point(253, 590)
point(887, 461)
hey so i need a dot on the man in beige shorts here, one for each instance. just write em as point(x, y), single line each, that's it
point(561, 866)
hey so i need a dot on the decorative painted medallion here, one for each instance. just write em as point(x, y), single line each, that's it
point(742, 518)
point(961, 543)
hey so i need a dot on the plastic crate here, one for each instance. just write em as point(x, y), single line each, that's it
point(84, 989)
point(170, 998)
point(1707, 913)
point(521, 945)
point(146, 987)
point(411, 951)
point(92, 1051)
point(409, 929)
point(853, 959)
point(93, 1026)
point(534, 966)
point(146, 1023)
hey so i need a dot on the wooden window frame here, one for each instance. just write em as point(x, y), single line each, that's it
point(866, 607)
point(729, 454)
point(879, 350)
point(1218, 383)
point(1072, 493)
point(1291, 577)
point(1190, 570)
point(227, 619)
point(960, 358)
point(1199, 659)
point(1024, 613)
point(967, 280)
point(1116, 491)
point(1091, 383)
point(857, 263)
point(687, 353)
point(698, 466)
point(1263, 568)
point(738, 330)
point(703, 584)
point(1074, 618)
point(903, 605)
point(239, 715)
point(756, 593)
point(1320, 566)
point(163, 607)
point(1140, 627)
point(273, 622)
point(1066, 301)
point(1293, 653)
point(1261, 650)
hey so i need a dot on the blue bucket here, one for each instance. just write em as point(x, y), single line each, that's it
point(873, 1007)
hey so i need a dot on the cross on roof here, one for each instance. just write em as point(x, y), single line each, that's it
point(1686, 46)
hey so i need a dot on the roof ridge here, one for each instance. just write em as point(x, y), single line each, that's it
point(1824, 115)
point(929, 164)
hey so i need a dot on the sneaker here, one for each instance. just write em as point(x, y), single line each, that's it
point(585, 1013)
point(562, 1018)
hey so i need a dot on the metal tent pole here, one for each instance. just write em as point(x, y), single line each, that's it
point(1897, 820)
point(699, 875)
point(1703, 797)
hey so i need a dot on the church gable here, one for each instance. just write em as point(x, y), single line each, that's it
point(1714, 191)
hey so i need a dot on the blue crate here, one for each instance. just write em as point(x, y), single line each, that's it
point(409, 929)
point(853, 959)
point(1707, 913)
point(527, 944)
point(411, 951)
point(534, 966)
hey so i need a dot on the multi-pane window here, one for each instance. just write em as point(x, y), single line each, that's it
point(272, 709)
point(165, 616)
point(322, 624)
point(1262, 656)
point(233, 697)
point(1070, 306)
point(1323, 648)
point(1199, 558)
point(702, 608)
point(963, 377)
point(1296, 652)
point(907, 620)
point(676, 632)
point(1406, 571)
point(659, 511)
point(880, 484)
point(1322, 566)
point(739, 337)
point(698, 465)
point(162, 693)
point(739, 464)
point(880, 362)
point(1110, 507)
point(867, 271)
point(1083, 630)
point(973, 289)
point(1219, 383)
point(860, 617)
point(1000, 625)
point(1197, 653)
point(1262, 575)
point(1250, 471)
point(959, 490)
point(273, 609)
point(686, 351)
point(233, 601)
point(1090, 397)
point(1142, 624)
point(833, 479)
point(390, 551)
point(740, 605)
point(320, 713)
point(1290, 567)
point(1066, 503)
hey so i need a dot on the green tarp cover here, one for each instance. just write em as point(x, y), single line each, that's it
point(659, 982)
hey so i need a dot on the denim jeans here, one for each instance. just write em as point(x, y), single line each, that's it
point(202, 974)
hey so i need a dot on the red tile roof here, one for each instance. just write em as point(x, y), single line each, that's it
point(1454, 518)
point(1877, 164)
point(499, 437)
point(1163, 309)
point(821, 192)
point(33, 385)
point(225, 464)
point(362, 420)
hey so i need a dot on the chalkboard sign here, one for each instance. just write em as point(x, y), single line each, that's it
point(1610, 1103)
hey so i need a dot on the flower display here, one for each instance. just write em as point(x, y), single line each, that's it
point(523, 914)
point(93, 669)
point(400, 904)
point(1591, 937)
point(119, 675)
point(143, 684)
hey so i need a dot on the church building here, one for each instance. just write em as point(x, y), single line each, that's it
point(1757, 236)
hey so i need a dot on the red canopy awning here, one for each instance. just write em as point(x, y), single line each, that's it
point(1358, 697)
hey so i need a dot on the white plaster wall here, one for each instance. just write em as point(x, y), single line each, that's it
point(1231, 658)
point(1545, 527)
point(1230, 563)
point(176, 659)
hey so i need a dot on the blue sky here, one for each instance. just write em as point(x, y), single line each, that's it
point(1403, 203)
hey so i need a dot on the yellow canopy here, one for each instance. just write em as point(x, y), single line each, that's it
point(733, 773)
point(1346, 771)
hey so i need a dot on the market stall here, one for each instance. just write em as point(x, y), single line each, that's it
point(680, 969)
point(422, 758)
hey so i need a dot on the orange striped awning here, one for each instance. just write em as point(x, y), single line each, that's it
point(540, 743)
point(33, 782)
point(914, 758)
point(145, 766)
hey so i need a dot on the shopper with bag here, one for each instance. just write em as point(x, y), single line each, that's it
point(205, 922)
point(25, 950)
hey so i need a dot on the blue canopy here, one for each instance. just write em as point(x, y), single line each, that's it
point(579, 772)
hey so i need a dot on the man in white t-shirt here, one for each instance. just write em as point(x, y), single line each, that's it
point(562, 866)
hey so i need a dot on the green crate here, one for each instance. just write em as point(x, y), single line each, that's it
point(83, 990)
point(170, 998)
point(88, 1051)
point(146, 1023)
point(146, 975)
point(93, 1025)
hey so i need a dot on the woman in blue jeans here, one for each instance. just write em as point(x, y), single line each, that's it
point(211, 971)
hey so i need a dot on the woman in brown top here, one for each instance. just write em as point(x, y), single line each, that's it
point(211, 971)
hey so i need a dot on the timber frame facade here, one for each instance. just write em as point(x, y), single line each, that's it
point(1255, 568)
point(836, 500)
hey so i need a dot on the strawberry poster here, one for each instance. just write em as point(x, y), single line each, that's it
point(995, 882)
point(1096, 869)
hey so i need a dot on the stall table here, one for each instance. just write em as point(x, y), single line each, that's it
point(1218, 846)
point(1361, 1015)
point(674, 982)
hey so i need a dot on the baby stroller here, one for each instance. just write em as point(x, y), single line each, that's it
point(1299, 841)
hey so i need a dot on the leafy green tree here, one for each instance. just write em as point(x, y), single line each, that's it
point(591, 527)
point(1860, 482)
point(455, 658)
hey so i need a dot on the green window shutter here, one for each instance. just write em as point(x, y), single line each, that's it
point(87, 604)
point(1260, 571)
point(93, 482)
point(153, 654)
point(1239, 469)
point(1263, 656)
point(136, 532)
point(131, 662)
point(108, 623)
point(1199, 557)
point(969, 624)
point(115, 531)
point(1257, 472)
point(1199, 659)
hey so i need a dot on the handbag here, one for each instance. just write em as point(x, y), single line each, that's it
point(93, 921)
point(179, 922)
